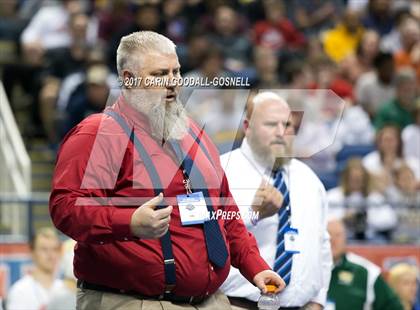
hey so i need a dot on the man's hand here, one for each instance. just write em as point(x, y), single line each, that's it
point(268, 277)
point(312, 306)
point(148, 223)
point(267, 200)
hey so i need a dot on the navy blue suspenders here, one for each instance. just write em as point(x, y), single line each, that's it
point(169, 262)
point(168, 257)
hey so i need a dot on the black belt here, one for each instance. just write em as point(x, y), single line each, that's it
point(243, 303)
point(193, 300)
point(251, 305)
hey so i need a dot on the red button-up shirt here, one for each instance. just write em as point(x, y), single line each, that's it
point(100, 180)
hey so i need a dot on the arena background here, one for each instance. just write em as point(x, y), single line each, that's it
point(57, 65)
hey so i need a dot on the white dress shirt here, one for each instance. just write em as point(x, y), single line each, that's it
point(29, 294)
point(311, 268)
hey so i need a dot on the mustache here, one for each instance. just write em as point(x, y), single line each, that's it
point(278, 141)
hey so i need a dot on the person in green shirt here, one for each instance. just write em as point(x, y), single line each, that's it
point(356, 283)
point(399, 110)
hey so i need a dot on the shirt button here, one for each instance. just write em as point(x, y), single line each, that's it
point(126, 239)
point(207, 293)
point(212, 268)
point(101, 242)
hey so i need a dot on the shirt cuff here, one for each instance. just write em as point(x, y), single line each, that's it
point(321, 298)
point(252, 266)
point(120, 224)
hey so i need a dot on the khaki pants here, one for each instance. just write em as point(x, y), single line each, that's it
point(95, 300)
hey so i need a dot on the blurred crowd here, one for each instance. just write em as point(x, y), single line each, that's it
point(57, 64)
point(51, 284)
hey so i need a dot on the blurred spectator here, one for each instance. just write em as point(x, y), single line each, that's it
point(388, 157)
point(403, 279)
point(379, 16)
point(63, 61)
point(404, 193)
point(113, 17)
point(398, 111)
point(314, 16)
point(298, 75)
point(374, 88)
point(391, 42)
point(355, 127)
point(48, 29)
point(235, 46)
point(357, 5)
point(266, 66)
point(411, 135)
point(405, 199)
point(327, 77)
point(64, 297)
point(88, 98)
point(221, 112)
point(197, 45)
point(360, 62)
point(146, 17)
point(356, 283)
point(343, 40)
point(59, 63)
point(211, 66)
point(409, 55)
point(315, 50)
point(276, 31)
point(364, 210)
point(33, 290)
point(11, 26)
point(175, 22)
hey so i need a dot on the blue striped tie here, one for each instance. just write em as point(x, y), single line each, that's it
point(283, 261)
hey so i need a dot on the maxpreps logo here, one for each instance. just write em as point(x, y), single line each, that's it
point(313, 109)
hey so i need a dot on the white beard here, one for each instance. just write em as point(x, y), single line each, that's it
point(167, 121)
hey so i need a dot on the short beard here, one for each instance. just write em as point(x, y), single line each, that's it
point(168, 121)
point(265, 156)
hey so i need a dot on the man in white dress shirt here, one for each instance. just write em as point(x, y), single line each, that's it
point(291, 230)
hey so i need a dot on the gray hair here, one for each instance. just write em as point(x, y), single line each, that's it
point(142, 42)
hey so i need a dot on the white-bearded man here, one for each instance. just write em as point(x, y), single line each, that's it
point(130, 186)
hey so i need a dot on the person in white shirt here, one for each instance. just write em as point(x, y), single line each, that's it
point(32, 292)
point(411, 135)
point(365, 211)
point(388, 157)
point(376, 87)
point(263, 178)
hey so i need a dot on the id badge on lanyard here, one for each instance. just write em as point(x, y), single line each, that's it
point(192, 208)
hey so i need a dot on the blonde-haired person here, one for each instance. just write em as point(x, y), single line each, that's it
point(403, 279)
point(382, 162)
point(65, 297)
point(404, 197)
point(33, 290)
point(364, 210)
